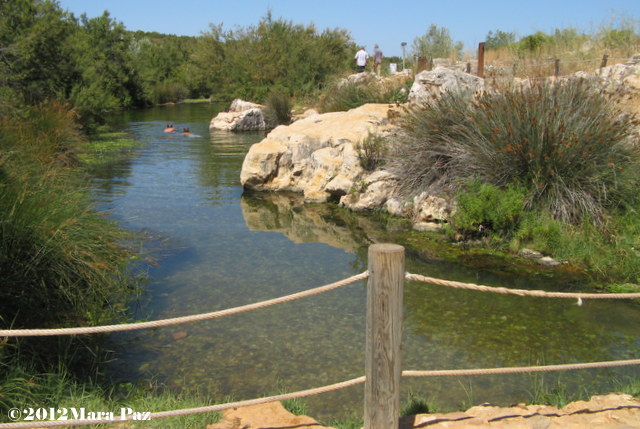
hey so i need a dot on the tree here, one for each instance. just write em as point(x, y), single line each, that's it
point(500, 39)
point(534, 42)
point(106, 80)
point(275, 56)
point(34, 57)
point(436, 43)
point(204, 72)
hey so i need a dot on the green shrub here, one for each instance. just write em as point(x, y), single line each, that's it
point(372, 151)
point(47, 135)
point(345, 95)
point(414, 406)
point(168, 92)
point(542, 233)
point(573, 149)
point(278, 109)
point(484, 208)
point(348, 94)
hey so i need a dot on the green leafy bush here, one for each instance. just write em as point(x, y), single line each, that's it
point(484, 208)
point(572, 149)
point(168, 92)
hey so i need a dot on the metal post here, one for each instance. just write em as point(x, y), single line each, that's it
point(481, 59)
point(384, 336)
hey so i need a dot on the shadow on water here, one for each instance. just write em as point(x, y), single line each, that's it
point(230, 249)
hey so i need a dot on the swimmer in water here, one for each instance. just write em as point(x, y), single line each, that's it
point(186, 132)
point(169, 129)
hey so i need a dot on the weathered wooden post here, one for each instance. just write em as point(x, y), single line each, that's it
point(603, 63)
point(422, 64)
point(481, 59)
point(556, 67)
point(384, 336)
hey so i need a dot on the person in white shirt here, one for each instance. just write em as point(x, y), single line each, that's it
point(361, 59)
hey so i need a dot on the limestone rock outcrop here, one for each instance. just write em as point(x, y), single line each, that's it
point(433, 83)
point(603, 412)
point(316, 155)
point(242, 116)
point(263, 416)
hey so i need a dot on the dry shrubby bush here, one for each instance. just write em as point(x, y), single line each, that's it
point(573, 150)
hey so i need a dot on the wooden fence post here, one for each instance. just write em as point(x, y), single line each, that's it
point(481, 59)
point(556, 67)
point(384, 336)
point(603, 63)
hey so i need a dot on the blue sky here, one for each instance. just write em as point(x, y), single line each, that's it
point(387, 23)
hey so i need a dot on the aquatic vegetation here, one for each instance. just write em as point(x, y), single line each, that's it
point(106, 148)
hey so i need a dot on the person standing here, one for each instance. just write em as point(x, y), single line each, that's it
point(377, 59)
point(361, 59)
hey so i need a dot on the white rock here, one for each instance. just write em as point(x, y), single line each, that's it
point(430, 84)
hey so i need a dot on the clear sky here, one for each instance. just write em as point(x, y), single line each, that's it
point(387, 23)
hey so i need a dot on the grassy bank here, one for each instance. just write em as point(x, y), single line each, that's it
point(25, 388)
point(62, 263)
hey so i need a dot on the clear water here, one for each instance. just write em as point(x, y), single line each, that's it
point(216, 248)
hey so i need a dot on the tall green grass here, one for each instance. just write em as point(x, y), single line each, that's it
point(22, 388)
point(62, 263)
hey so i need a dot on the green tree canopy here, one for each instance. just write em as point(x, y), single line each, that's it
point(106, 81)
point(499, 39)
point(436, 43)
point(275, 55)
point(34, 56)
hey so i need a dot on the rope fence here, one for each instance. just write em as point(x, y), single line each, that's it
point(183, 319)
point(329, 388)
point(386, 266)
point(520, 292)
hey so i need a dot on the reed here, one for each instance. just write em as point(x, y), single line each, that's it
point(62, 263)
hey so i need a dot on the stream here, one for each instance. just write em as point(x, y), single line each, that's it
point(213, 247)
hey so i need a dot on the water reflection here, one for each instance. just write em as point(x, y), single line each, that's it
point(447, 328)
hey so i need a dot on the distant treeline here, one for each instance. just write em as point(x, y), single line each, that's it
point(97, 66)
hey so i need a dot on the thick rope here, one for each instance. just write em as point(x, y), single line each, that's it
point(183, 319)
point(520, 292)
point(520, 369)
point(188, 411)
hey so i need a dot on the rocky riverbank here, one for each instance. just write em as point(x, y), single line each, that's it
point(318, 155)
point(602, 412)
